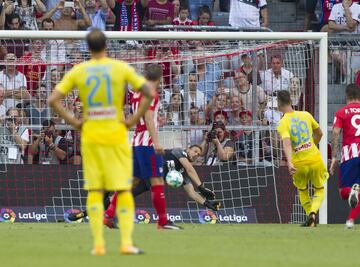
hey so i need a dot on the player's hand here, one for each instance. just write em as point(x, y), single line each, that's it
point(130, 122)
point(158, 149)
point(213, 205)
point(206, 193)
point(333, 166)
point(291, 168)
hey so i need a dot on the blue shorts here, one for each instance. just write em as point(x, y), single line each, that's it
point(146, 163)
point(349, 173)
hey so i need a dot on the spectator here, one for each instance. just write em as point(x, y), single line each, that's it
point(245, 140)
point(54, 51)
point(204, 17)
point(245, 91)
point(129, 14)
point(14, 83)
point(175, 110)
point(38, 109)
point(14, 22)
point(13, 138)
point(32, 66)
point(6, 5)
point(196, 98)
point(247, 69)
point(271, 113)
point(2, 106)
point(295, 92)
point(159, 12)
point(49, 146)
point(344, 17)
point(236, 106)
point(327, 6)
point(247, 13)
point(177, 7)
point(208, 71)
point(27, 10)
point(217, 147)
point(310, 6)
point(78, 114)
point(196, 135)
point(222, 116)
point(16, 46)
point(218, 103)
point(66, 21)
point(195, 6)
point(97, 14)
point(182, 18)
point(277, 78)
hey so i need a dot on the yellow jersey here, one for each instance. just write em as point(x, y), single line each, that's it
point(299, 126)
point(101, 85)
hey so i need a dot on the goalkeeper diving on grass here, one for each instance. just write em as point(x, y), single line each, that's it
point(300, 134)
point(174, 159)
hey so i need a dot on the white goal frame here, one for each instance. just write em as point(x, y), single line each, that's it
point(322, 37)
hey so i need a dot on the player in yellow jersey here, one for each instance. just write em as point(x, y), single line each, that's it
point(106, 153)
point(300, 134)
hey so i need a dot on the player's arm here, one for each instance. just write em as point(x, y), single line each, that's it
point(148, 93)
point(288, 154)
point(317, 134)
point(55, 102)
point(334, 148)
point(150, 126)
point(191, 172)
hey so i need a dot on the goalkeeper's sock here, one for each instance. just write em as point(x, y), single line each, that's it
point(125, 211)
point(158, 200)
point(305, 200)
point(317, 199)
point(95, 209)
point(345, 192)
point(110, 212)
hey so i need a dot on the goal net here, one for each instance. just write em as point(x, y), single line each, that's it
point(210, 81)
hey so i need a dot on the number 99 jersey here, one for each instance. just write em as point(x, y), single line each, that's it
point(348, 119)
point(299, 126)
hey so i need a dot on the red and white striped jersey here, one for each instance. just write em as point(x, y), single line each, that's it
point(348, 119)
point(177, 21)
point(142, 136)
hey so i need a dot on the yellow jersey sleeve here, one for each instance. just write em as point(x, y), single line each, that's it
point(68, 82)
point(283, 129)
point(135, 80)
point(314, 124)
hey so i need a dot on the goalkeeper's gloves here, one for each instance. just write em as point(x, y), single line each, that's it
point(213, 205)
point(206, 193)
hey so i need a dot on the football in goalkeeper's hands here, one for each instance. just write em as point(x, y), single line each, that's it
point(174, 179)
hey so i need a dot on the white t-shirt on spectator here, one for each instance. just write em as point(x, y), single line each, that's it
point(245, 13)
point(19, 80)
point(200, 100)
point(271, 83)
point(338, 15)
point(56, 54)
point(2, 111)
point(246, 98)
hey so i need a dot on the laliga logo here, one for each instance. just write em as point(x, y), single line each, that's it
point(142, 217)
point(207, 216)
point(7, 215)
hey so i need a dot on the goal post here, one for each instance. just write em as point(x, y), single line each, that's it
point(280, 38)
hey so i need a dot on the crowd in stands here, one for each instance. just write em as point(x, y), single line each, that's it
point(210, 91)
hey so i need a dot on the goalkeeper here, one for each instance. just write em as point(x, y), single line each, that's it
point(180, 160)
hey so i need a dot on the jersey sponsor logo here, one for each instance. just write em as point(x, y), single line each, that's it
point(303, 147)
point(7, 215)
point(207, 217)
point(102, 113)
point(142, 217)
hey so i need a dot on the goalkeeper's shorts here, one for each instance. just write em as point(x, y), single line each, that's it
point(107, 167)
point(316, 173)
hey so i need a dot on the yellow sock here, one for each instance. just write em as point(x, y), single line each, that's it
point(125, 210)
point(95, 209)
point(317, 199)
point(305, 200)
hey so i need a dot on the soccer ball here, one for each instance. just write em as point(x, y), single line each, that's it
point(174, 179)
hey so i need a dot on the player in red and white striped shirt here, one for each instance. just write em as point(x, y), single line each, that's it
point(147, 153)
point(347, 119)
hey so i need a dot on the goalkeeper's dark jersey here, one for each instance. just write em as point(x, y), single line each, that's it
point(171, 161)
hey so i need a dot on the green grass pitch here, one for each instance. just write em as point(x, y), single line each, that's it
point(268, 245)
